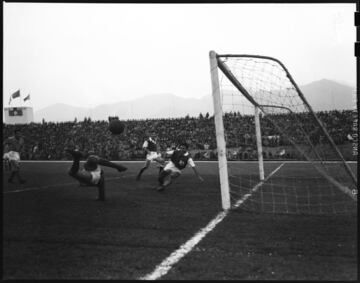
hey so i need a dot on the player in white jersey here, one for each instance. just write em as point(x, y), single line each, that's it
point(152, 154)
point(13, 146)
point(91, 174)
point(180, 158)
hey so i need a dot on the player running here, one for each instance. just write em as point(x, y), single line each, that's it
point(152, 154)
point(13, 146)
point(179, 159)
point(91, 174)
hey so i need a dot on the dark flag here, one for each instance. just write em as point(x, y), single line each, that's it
point(14, 95)
point(27, 97)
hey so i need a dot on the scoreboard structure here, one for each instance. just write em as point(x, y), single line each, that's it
point(18, 115)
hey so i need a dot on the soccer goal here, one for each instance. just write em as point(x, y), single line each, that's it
point(261, 114)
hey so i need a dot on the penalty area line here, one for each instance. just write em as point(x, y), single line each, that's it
point(184, 249)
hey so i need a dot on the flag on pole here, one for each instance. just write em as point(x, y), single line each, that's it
point(14, 95)
point(27, 97)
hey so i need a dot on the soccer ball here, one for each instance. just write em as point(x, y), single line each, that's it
point(116, 127)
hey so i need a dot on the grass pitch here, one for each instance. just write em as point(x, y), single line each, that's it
point(54, 229)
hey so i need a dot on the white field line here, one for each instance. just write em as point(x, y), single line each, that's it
point(60, 185)
point(39, 188)
point(83, 161)
point(184, 249)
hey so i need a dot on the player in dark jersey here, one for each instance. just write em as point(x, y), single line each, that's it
point(179, 159)
point(91, 174)
point(152, 154)
point(12, 148)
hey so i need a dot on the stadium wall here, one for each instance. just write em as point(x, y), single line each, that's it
point(18, 115)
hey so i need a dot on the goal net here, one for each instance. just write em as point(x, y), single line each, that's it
point(261, 114)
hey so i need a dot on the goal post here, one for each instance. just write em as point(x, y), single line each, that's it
point(259, 143)
point(267, 86)
point(219, 128)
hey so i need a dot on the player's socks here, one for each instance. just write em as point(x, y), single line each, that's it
point(101, 196)
point(76, 162)
point(101, 187)
point(160, 188)
point(121, 168)
point(21, 180)
point(140, 173)
point(11, 178)
point(167, 182)
point(75, 166)
point(7, 165)
point(162, 177)
point(138, 177)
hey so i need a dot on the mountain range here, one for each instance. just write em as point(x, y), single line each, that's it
point(322, 95)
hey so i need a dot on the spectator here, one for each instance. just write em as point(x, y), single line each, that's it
point(46, 140)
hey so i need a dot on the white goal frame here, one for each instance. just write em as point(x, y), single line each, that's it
point(219, 127)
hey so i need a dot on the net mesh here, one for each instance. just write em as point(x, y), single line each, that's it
point(311, 177)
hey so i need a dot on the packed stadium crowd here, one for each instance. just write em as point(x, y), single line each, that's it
point(47, 140)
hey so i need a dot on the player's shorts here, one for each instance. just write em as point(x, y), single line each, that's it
point(95, 175)
point(171, 166)
point(152, 155)
point(12, 155)
point(14, 158)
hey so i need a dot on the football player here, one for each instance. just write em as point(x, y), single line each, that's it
point(152, 154)
point(13, 146)
point(179, 159)
point(91, 174)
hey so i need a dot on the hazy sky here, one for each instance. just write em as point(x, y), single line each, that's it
point(91, 54)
